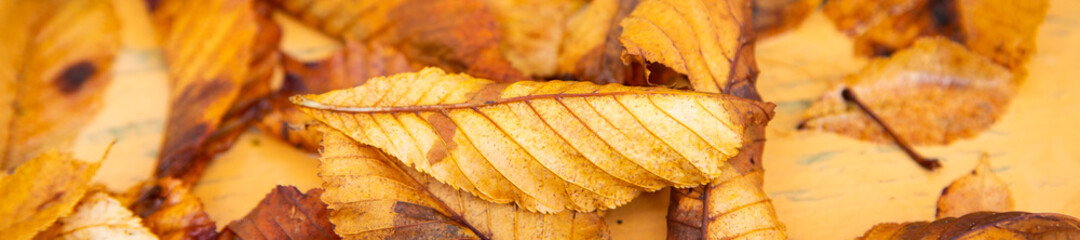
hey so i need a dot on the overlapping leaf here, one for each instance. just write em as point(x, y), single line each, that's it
point(457, 35)
point(546, 146)
point(934, 93)
point(41, 191)
point(591, 50)
point(55, 62)
point(171, 211)
point(532, 31)
point(733, 206)
point(285, 213)
point(373, 197)
point(772, 17)
point(99, 216)
point(983, 225)
point(220, 56)
point(980, 191)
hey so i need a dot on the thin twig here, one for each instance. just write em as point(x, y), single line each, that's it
point(926, 163)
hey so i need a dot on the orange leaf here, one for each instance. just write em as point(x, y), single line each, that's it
point(171, 211)
point(591, 50)
point(41, 191)
point(285, 213)
point(772, 17)
point(982, 190)
point(983, 225)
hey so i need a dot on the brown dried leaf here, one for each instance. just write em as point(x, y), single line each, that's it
point(591, 50)
point(933, 93)
point(55, 62)
point(41, 191)
point(532, 31)
point(547, 146)
point(457, 35)
point(710, 41)
point(171, 211)
point(983, 225)
point(99, 216)
point(221, 55)
point(351, 67)
point(982, 190)
point(374, 197)
point(736, 207)
point(285, 213)
point(772, 17)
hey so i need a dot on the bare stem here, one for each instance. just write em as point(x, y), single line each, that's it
point(926, 163)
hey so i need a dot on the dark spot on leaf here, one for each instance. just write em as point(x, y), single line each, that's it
point(52, 199)
point(255, 142)
point(446, 129)
point(148, 202)
point(74, 77)
point(152, 5)
point(488, 93)
point(618, 221)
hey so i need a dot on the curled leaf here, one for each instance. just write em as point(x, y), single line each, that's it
point(457, 35)
point(934, 93)
point(350, 67)
point(171, 211)
point(55, 62)
point(772, 17)
point(41, 191)
point(710, 41)
point(99, 216)
point(373, 197)
point(220, 55)
point(285, 213)
point(547, 146)
point(980, 191)
point(983, 225)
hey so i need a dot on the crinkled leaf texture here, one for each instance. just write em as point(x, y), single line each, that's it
point(548, 146)
point(285, 213)
point(983, 225)
point(374, 197)
point(933, 93)
point(41, 191)
point(99, 216)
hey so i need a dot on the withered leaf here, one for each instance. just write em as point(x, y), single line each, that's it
point(933, 93)
point(591, 50)
point(40, 191)
point(772, 17)
point(710, 41)
point(980, 191)
point(532, 31)
point(1008, 37)
point(733, 206)
point(220, 55)
point(457, 35)
point(99, 216)
point(350, 67)
point(55, 62)
point(285, 213)
point(171, 211)
point(548, 146)
point(983, 225)
point(373, 197)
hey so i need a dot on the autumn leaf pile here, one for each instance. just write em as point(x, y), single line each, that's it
point(495, 119)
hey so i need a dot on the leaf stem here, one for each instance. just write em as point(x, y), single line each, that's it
point(926, 163)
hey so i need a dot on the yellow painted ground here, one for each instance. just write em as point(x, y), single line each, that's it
point(824, 186)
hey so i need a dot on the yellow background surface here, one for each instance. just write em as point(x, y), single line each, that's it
point(823, 186)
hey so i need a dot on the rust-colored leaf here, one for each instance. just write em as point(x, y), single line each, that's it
point(457, 35)
point(171, 211)
point(350, 67)
point(934, 93)
point(221, 55)
point(547, 146)
point(591, 50)
point(41, 191)
point(983, 225)
point(55, 62)
point(99, 216)
point(980, 191)
point(285, 213)
point(709, 41)
point(772, 17)
point(374, 197)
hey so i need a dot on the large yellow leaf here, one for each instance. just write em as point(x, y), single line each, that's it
point(710, 41)
point(547, 146)
point(99, 216)
point(220, 55)
point(55, 61)
point(41, 191)
point(374, 197)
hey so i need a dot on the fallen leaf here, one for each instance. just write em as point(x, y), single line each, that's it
point(374, 197)
point(983, 225)
point(457, 35)
point(99, 216)
point(41, 191)
point(591, 50)
point(772, 17)
point(170, 210)
point(285, 213)
point(1008, 38)
point(980, 191)
point(220, 55)
point(710, 41)
point(55, 62)
point(734, 206)
point(547, 146)
point(350, 67)
point(532, 32)
point(933, 93)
